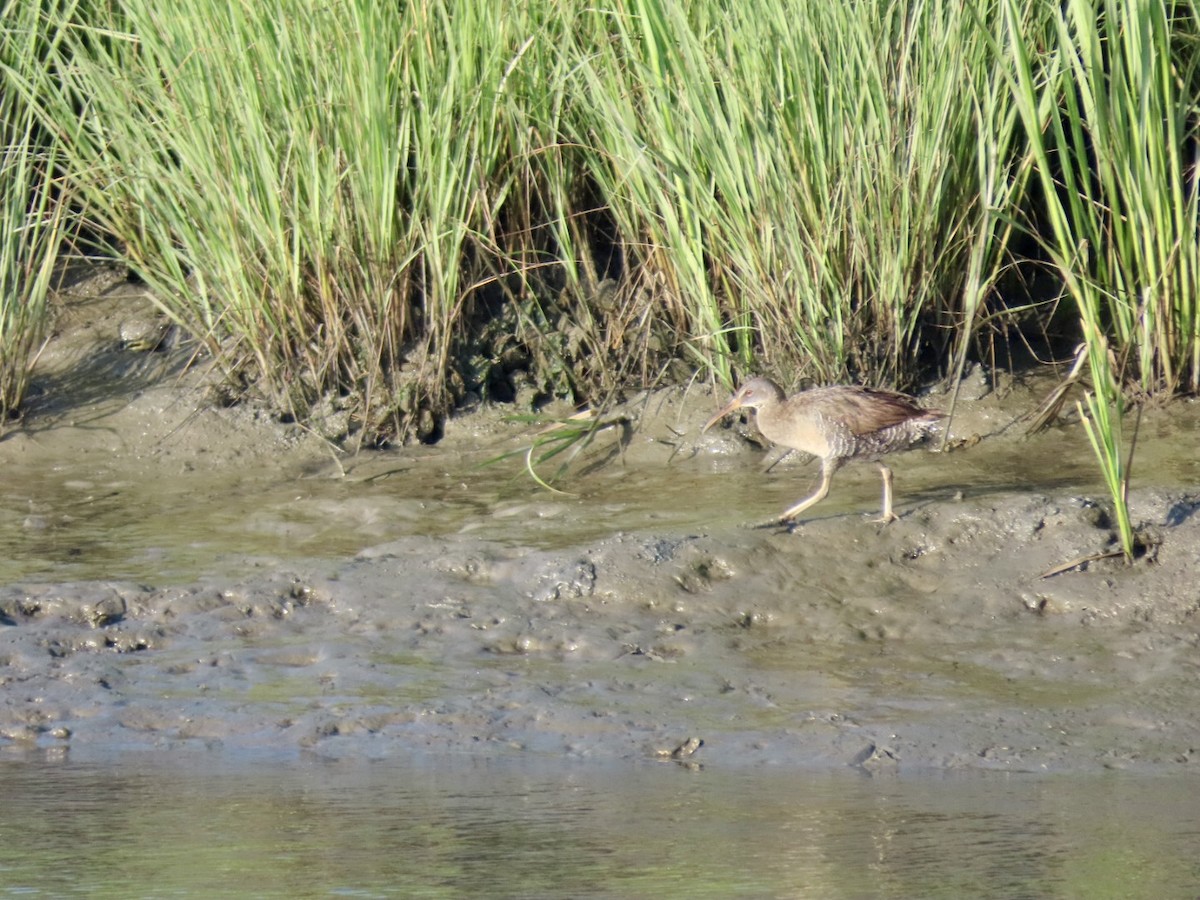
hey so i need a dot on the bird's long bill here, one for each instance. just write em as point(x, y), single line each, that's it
point(724, 411)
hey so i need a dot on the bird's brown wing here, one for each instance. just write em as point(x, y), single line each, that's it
point(868, 410)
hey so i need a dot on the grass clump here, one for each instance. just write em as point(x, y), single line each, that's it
point(1109, 114)
point(312, 190)
point(33, 221)
point(805, 188)
point(341, 199)
point(569, 435)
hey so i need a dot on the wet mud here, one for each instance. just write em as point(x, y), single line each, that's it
point(178, 574)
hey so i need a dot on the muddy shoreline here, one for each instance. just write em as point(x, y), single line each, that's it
point(184, 575)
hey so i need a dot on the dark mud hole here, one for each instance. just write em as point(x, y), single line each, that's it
point(621, 625)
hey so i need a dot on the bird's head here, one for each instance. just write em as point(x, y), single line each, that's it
point(754, 394)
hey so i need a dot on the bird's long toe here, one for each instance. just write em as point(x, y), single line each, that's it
point(787, 523)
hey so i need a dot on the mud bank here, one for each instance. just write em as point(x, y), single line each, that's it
point(409, 602)
point(912, 648)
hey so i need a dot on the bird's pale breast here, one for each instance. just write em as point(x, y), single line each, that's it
point(802, 428)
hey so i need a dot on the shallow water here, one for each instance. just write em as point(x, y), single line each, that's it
point(202, 825)
point(164, 520)
point(121, 518)
point(420, 677)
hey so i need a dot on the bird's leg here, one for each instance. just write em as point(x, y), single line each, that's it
point(786, 453)
point(789, 515)
point(888, 515)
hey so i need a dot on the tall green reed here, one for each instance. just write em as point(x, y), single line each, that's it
point(33, 221)
point(307, 188)
point(1108, 108)
point(324, 194)
point(808, 188)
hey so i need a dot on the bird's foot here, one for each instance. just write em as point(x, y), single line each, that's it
point(886, 519)
point(782, 522)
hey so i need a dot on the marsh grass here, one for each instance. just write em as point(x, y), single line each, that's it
point(33, 222)
point(311, 190)
point(822, 190)
point(332, 197)
point(1109, 115)
point(384, 209)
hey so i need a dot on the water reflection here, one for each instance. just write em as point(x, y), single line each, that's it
point(206, 825)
